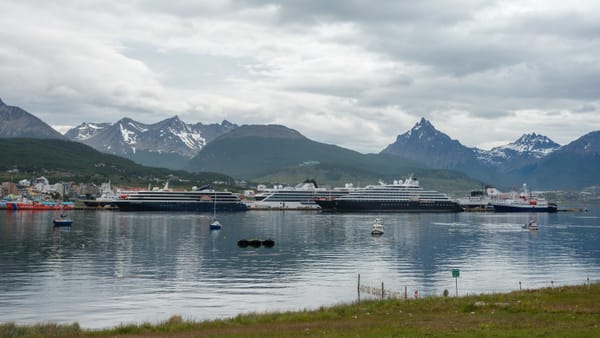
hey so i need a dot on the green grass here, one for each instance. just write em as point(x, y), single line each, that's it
point(571, 311)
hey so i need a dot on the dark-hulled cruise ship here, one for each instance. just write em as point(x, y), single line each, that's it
point(400, 196)
point(202, 199)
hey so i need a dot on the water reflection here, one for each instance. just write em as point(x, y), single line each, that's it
point(112, 267)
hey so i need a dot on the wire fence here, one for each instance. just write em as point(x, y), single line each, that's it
point(379, 291)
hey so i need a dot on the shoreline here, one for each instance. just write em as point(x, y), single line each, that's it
point(553, 311)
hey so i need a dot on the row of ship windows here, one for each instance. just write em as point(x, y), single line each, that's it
point(190, 199)
point(395, 198)
point(409, 204)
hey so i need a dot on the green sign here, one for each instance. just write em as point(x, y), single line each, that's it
point(455, 273)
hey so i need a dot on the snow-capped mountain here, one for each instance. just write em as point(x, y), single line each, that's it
point(85, 130)
point(171, 139)
point(536, 145)
point(574, 165)
point(524, 150)
point(425, 144)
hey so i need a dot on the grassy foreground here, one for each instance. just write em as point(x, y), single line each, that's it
point(570, 311)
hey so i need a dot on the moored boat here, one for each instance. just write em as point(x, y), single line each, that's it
point(202, 199)
point(531, 225)
point(400, 196)
point(479, 200)
point(62, 221)
point(377, 227)
point(39, 205)
point(299, 197)
point(106, 198)
point(524, 201)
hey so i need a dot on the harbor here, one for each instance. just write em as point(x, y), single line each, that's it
point(124, 267)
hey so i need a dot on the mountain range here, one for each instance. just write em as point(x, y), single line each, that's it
point(275, 153)
point(170, 143)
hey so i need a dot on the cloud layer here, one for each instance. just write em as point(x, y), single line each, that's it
point(353, 73)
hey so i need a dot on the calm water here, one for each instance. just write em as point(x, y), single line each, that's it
point(115, 267)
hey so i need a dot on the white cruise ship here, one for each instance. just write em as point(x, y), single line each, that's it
point(299, 197)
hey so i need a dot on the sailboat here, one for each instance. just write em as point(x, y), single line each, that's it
point(215, 224)
point(64, 220)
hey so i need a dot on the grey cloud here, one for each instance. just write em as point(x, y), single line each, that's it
point(249, 61)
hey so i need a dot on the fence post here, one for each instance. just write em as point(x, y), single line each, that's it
point(358, 288)
point(588, 282)
point(382, 291)
point(405, 292)
point(520, 286)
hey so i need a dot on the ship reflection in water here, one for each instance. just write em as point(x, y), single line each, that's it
point(123, 267)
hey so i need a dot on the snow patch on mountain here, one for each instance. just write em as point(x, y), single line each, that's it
point(86, 130)
point(128, 136)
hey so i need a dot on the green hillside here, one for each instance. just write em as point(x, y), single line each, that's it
point(72, 161)
point(275, 154)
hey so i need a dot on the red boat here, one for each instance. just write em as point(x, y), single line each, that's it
point(39, 205)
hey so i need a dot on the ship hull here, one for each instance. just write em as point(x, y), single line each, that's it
point(38, 206)
point(178, 206)
point(285, 205)
point(388, 206)
point(97, 204)
point(525, 208)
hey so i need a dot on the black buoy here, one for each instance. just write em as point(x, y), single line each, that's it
point(256, 243)
point(268, 243)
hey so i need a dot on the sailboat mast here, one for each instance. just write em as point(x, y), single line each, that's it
point(215, 205)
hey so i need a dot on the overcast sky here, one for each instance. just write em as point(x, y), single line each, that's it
point(353, 73)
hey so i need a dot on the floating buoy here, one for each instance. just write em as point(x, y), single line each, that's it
point(256, 243)
point(268, 243)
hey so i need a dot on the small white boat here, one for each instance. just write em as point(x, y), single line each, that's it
point(531, 225)
point(377, 228)
point(63, 221)
point(215, 224)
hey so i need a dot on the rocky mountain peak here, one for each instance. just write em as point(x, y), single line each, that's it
point(423, 143)
point(535, 142)
point(85, 131)
point(423, 133)
point(529, 145)
point(16, 122)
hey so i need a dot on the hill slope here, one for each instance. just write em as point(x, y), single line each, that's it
point(575, 165)
point(274, 153)
point(16, 122)
point(73, 161)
